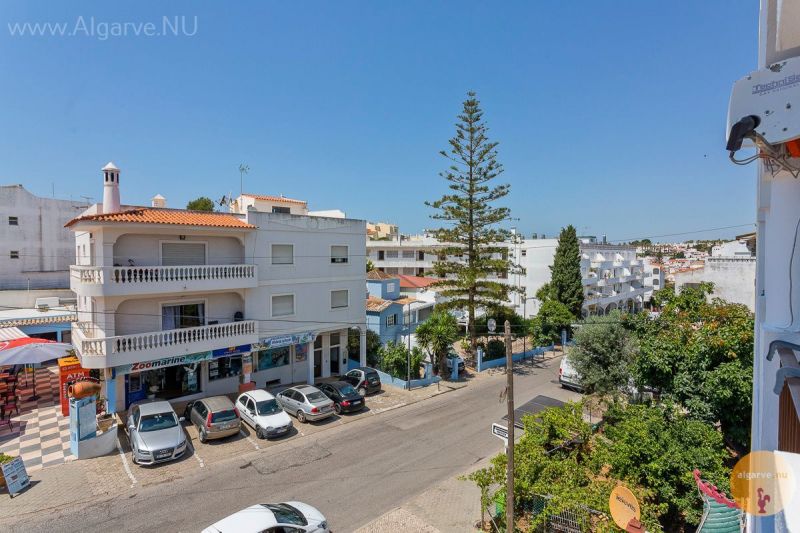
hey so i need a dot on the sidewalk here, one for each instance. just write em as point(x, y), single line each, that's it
point(451, 506)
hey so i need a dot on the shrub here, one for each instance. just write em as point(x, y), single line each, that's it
point(496, 349)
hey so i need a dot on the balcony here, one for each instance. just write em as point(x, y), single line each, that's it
point(97, 351)
point(136, 280)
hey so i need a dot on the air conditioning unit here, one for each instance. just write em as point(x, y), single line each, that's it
point(43, 304)
point(338, 260)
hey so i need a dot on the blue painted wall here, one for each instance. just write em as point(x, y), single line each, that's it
point(377, 323)
point(388, 289)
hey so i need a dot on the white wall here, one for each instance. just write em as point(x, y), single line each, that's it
point(144, 314)
point(145, 250)
point(733, 279)
point(312, 276)
point(46, 248)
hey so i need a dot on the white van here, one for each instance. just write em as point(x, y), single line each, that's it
point(568, 377)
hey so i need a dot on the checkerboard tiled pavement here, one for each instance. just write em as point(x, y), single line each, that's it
point(39, 433)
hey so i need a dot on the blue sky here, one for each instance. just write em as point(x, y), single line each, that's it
point(610, 115)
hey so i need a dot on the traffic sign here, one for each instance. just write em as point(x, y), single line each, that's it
point(500, 431)
point(491, 324)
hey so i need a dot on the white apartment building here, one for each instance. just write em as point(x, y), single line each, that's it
point(35, 248)
point(731, 268)
point(180, 304)
point(613, 276)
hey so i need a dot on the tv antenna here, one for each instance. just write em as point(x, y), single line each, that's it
point(243, 169)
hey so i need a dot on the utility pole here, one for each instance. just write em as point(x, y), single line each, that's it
point(510, 447)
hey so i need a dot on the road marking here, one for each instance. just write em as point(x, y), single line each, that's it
point(251, 441)
point(125, 464)
point(385, 409)
point(195, 454)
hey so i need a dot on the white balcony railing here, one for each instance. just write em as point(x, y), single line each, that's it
point(109, 281)
point(158, 274)
point(176, 341)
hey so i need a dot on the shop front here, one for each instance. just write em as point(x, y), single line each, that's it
point(274, 360)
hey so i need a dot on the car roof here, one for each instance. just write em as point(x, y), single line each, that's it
point(365, 369)
point(306, 389)
point(259, 395)
point(217, 403)
point(151, 408)
point(252, 519)
point(339, 384)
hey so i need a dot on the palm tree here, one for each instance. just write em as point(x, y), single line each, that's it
point(437, 335)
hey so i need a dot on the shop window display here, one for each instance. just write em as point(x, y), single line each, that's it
point(224, 367)
point(274, 358)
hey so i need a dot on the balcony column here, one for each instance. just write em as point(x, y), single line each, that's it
point(362, 347)
point(326, 355)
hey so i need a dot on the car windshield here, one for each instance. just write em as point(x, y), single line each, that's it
point(344, 390)
point(223, 416)
point(269, 407)
point(316, 397)
point(157, 422)
point(286, 514)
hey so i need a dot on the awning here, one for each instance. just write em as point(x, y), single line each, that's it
point(16, 348)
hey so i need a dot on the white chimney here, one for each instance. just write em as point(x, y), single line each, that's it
point(158, 201)
point(110, 188)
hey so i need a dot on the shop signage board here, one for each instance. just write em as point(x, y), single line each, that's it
point(69, 371)
point(15, 475)
point(161, 363)
point(285, 340)
point(233, 350)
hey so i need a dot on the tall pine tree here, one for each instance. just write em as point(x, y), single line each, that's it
point(472, 260)
point(565, 278)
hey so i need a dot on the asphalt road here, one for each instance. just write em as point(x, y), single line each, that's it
point(352, 473)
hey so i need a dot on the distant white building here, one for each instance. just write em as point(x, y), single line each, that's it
point(731, 268)
point(613, 277)
point(179, 304)
point(36, 249)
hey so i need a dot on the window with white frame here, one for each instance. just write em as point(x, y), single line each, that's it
point(283, 305)
point(13, 221)
point(408, 254)
point(391, 320)
point(282, 254)
point(339, 254)
point(390, 287)
point(340, 298)
point(14, 254)
point(391, 254)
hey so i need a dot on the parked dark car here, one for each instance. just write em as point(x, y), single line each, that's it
point(364, 379)
point(345, 398)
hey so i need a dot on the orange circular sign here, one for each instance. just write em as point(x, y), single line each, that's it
point(762, 483)
point(624, 506)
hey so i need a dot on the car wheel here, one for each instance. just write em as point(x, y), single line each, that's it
point(301, 417)
point(362, 391)
point(260, 433)
point(337, 408)
point(203, 436)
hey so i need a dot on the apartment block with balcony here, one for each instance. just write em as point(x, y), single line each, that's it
point(180, 304)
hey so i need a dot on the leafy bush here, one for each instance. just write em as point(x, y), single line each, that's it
point(496, 349)
point(394, 360)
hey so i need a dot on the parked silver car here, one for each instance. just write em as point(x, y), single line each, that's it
point(305, 402)
point(155, 433)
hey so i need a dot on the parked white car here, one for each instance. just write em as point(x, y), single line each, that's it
point(260, 410)
point(568, 377)
point(267, 517)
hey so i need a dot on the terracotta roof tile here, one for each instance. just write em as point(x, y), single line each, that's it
point(416, 282)
point(269, 198)
point(376, 305)
point(180, 217)
point(377, 274)
point(405, 301)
